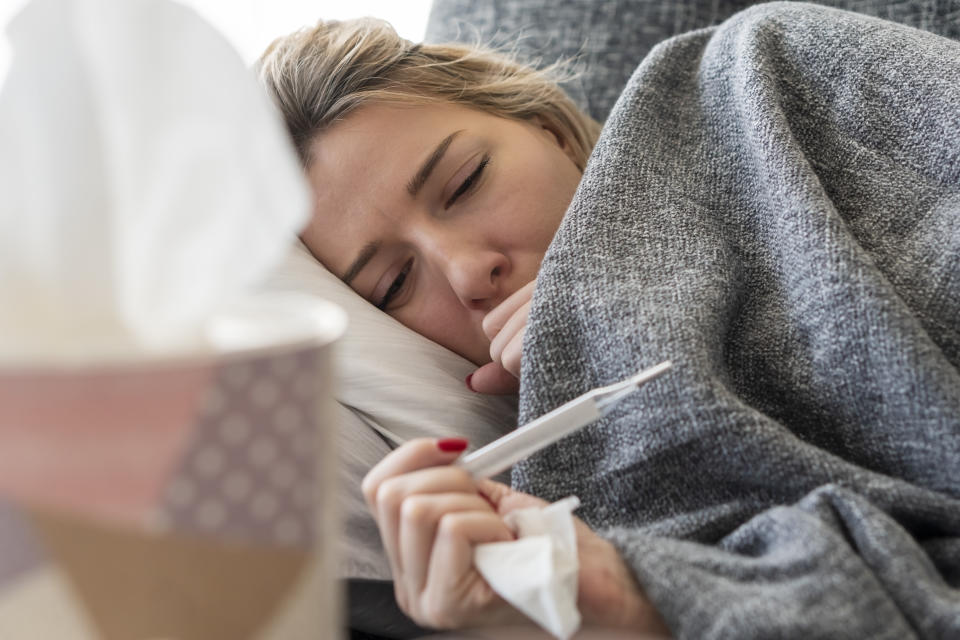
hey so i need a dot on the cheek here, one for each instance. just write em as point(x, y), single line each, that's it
point(531, 209)
point(439, 316)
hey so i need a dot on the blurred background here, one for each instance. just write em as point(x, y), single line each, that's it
point(252, 24)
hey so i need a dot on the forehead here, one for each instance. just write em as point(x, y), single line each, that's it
point(359, 158)
point(360, 167)
point(380, 136)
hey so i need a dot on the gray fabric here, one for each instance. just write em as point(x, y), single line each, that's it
point(609, 38)
point(773, 205)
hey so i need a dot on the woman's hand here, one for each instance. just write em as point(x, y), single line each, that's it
point(431, 515)
point(504, 326)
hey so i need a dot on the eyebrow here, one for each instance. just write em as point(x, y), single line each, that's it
point(369, 250)
point(423, 174)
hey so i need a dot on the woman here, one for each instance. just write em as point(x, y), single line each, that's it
point(444, 204)
point(478, 114)
point(755, 499)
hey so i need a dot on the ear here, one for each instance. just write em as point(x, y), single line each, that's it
point(556, 136)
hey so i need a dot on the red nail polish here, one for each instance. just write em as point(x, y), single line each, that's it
point(469, 386)
point(450, 445)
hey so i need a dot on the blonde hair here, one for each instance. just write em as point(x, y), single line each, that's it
point(318, 75)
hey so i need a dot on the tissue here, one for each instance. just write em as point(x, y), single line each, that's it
point(145, 179)
point(538, 572)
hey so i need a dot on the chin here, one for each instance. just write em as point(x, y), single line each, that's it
point(479, 361)
point(478, 354)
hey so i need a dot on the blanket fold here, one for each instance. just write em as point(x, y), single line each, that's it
point(774, 205)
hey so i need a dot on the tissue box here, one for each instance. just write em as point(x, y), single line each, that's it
point(184, 496)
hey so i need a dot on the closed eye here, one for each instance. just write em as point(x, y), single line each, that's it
point(396, 286)
point(468, 182)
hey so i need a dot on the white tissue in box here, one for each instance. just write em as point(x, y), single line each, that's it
point(145, 178)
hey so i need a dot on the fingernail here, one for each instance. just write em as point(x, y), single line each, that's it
point(470, 386)
point(450, 445)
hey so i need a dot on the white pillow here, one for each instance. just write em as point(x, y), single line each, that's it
point(393, 385)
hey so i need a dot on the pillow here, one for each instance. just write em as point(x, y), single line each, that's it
point(393, 385)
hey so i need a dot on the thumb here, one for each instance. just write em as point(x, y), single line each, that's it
point(493, 379)
point(504, 499)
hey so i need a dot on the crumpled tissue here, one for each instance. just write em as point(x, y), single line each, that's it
point(538, 572)
point(145, 179)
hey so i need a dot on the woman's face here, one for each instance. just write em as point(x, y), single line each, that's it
point(437, 213)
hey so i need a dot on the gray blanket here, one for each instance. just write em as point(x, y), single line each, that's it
point(774, 205)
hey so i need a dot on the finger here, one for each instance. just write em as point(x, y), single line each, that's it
point(395, 491)
point(411, 456)
point(513, 326)
point(419, 518)
point(510, 356)
point(492, 378)
point(504, 499)
point(493, 322)
point(455, 593)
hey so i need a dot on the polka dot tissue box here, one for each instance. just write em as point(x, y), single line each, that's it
point(186, 496)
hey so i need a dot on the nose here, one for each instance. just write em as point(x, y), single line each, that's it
point(475, 273)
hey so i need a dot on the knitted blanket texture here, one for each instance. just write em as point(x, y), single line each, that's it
point(774, 205)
